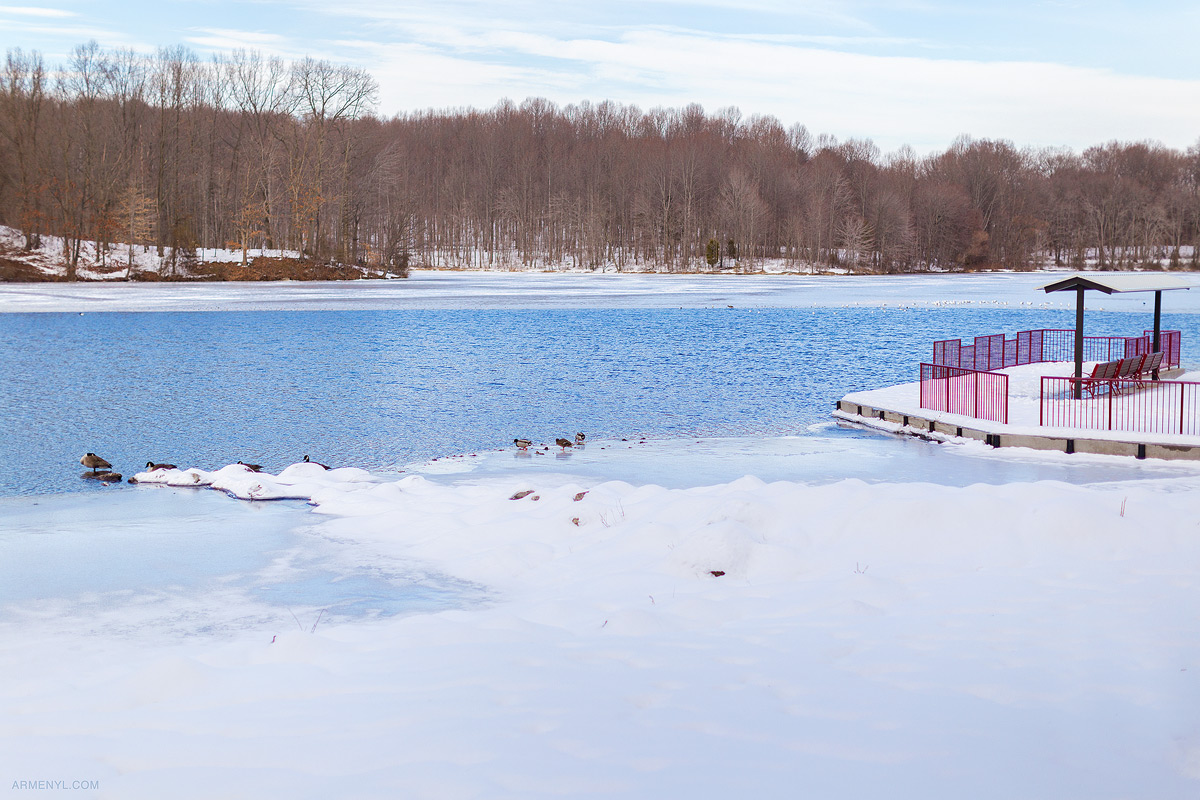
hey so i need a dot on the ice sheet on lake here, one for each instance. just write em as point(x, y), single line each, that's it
point(184, 546)
point(830, 453)
point(166, 562)
point(641, 641)
point(445, 290)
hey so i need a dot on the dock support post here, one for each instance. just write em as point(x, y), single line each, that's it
point(1078, 391)
point(1157, 326)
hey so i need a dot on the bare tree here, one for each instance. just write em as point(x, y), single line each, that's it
point(22, 97)
point(254, 151)
point(328, 96)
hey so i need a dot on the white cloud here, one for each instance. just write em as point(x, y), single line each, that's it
point(414, 77)
point(895, 100)
point(36, 11)
point(65, 37)
point(836, 66)
point(225, 39)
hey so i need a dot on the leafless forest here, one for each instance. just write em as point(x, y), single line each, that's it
point(249, 151)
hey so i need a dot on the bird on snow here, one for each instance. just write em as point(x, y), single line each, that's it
point(522, 444)
point(564, 443)
point(318, 463)
point(151, 466)
point(94, 462)
point(579, 437)
point(251, 467)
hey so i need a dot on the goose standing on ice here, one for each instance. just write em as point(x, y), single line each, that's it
point(522, 444)
point(580, 437)
point(564, 443)
point(94, 462)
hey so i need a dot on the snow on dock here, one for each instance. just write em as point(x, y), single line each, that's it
point(899, 408)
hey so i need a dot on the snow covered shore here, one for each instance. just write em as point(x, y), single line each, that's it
point(900, 639)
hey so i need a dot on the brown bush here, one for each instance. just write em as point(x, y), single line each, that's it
point(280, 269)
point(14, 271)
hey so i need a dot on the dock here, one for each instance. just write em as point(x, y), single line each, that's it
point(937, 427)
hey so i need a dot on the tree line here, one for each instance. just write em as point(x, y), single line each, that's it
point(248, 151)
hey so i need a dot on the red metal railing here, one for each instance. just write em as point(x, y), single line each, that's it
point(995, 351)
point(970, 392)
point(1141, 406)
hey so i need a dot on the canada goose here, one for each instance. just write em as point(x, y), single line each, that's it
point(579, 437)
point(564, 443)
point(318, 463)
point(151, 466)
point(522, 444)
point(94, 462)
point(251, 467)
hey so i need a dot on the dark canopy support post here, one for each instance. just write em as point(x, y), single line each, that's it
point(1078, 390)
point(1157, 327)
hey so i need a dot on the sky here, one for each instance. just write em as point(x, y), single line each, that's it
point(1048, 73)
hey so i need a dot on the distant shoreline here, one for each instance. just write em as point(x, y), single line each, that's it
point(340, 273)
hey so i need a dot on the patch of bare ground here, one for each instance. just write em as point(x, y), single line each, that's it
point(280, 269)
point(25, 266)
point(13, 270)
point(16, 267)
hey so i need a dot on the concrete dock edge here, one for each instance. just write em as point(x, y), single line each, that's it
point(925, 427)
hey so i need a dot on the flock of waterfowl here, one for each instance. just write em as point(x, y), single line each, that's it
point(524, 444)
point(101, 469)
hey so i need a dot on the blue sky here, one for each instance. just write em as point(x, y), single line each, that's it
point(919, 72)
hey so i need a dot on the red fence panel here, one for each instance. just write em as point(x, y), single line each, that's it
point(1029, 347)
point(1168, 343)
point(1137, 406)
point(970, 392)
point(948, 352)
point(1058, 345)
point(989, 352)
point(960, 381)
point(995, 351)
point(1011, 355)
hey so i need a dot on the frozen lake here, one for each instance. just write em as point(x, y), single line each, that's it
point(529, 290)
point(388, 376)
point(633, 618)
point(381, 374)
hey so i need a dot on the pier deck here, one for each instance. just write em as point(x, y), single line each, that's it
point(897, 409)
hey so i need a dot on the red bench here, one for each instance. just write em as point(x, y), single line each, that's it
point(1135, 369)
point(1103, 374)
point(1150, 366)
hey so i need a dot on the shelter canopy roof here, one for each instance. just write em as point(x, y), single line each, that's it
point(1109, 284)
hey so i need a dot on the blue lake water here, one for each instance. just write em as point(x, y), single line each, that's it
point(379, 389)
point(382, 383)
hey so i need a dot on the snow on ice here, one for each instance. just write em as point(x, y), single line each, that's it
point(743, 639)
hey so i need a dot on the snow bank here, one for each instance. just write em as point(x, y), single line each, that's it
point(301, 481)
point(114, 261)
point(746, 639)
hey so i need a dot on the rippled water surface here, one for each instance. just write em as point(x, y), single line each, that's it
point(381, 388)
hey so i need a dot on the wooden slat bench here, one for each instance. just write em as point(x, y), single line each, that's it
point(1102, 375)
point(1135, 368)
